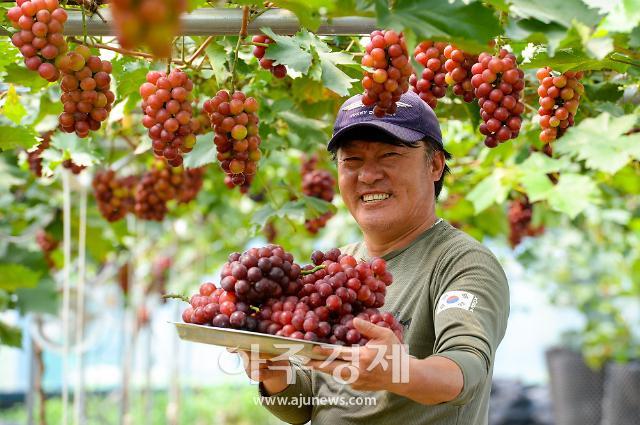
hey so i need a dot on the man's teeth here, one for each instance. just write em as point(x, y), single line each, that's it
point(375, 197)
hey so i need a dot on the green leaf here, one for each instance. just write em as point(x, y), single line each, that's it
point(288, 51)
point(563, 12)
point(307, 11)
point(622, 15)
point(12, 107)
point(80, 151)
point(601, 143)
point(13, 276)
point(572, 194)
point(218, 56)
point(21, 76)
point(129, 86)
point(472, 25)
point(41, 299)
point(489, 191)
point(291, 209)
point(572, 59)
point(538, 186)
point(12, 137)
point(204, 152)
point(10, 335)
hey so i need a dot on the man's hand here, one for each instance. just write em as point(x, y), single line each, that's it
point(261, 368)
point(374, 370)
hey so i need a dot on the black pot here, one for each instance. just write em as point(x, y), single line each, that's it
point(576, 390)
point(621, 402)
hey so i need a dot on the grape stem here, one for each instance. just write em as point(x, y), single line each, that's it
point(199, 50)
point(117, 49)
point(241, 36)
point(255, 43)
point(176, 296)
point(313, 270)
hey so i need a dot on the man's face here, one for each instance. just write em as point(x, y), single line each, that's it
point(386, 188)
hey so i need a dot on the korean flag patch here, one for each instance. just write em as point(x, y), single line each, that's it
point(457, 299)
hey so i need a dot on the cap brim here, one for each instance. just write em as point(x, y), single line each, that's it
point(403, 134)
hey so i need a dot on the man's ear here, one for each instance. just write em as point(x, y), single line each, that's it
point(437, 165)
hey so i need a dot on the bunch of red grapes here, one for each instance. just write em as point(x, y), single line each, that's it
point(153, 23)
point(192, 180)
point(153, 192)
point(318, 304)
point(47, 244)
point(432, 84)
point(559, 100)
point(114, 195)
point(319, 184)
point(387, 54)
point(498, 86)
point(278, 71)
point(162, 184)
point(520, 214)
point(458, 66)
point(86, 97)
point(235, 124)
point(166, 103)
point(40, 40)
point(33, 157)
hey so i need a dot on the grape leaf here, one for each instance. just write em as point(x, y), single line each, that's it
point(40, 299)
point(538, 186)
point(11, 137)
point(601, 143)
point(288, 51)
point(13, 276)
point(204, 152)
point(472, 25)
point(21, 76)
point(12, 107)
point(10, 335)
point(80, 151)
point(218, 56)
point(567, 59)
point(622, 15)
point(308, 12)
point(572, 194)
point(489, 191)
point(563, 12)
point(291, 209)
point(8, 53)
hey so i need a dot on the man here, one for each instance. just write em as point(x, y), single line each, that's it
point(449, 292)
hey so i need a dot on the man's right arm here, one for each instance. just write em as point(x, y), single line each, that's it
point(279, 383)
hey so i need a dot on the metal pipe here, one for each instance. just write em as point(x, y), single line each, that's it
point(221, 21)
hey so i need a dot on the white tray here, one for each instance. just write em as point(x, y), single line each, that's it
point(243, 340)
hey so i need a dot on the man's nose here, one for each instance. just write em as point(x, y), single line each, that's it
point(370, 172)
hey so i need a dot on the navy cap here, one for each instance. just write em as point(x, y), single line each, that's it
point(413, 121)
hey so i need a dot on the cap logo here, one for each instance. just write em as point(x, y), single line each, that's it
point(359, 104)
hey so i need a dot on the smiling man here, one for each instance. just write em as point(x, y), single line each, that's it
point(449, 291)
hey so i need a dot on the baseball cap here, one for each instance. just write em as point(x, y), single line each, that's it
point(413, 121)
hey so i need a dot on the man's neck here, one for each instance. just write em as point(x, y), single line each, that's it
point(384, 244)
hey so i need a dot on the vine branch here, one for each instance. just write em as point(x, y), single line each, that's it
point(241, 36)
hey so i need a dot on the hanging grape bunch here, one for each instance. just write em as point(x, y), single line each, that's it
point(278, 71)
point(33, 157)
point(47, 244)
point(458, 66)
point(498, 86)
point(153, 192)
point(114, 195)
point(330, 293)
point(235, 124)
point(520, 215)
point(192, 180)
point(559, 100)
point(387, 54)
point(432, 84)
point(319, 184)
point(86, 97)
point(166, 103)
point(40, 40)
point(153, 23)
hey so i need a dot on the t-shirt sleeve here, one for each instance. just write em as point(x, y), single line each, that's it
point(289, 405)
point(471, 307)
